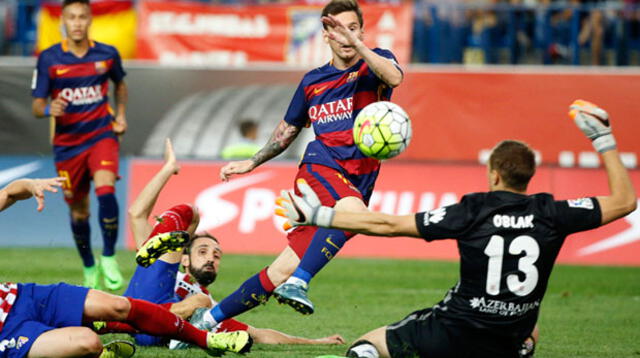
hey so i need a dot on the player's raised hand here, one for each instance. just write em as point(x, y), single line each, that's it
point(593, 121)
point(338, 32)
point(237, 167)
point(58, 106)
point(170, 161)
point(303, 210)
point(37, 187)
point(120, 124)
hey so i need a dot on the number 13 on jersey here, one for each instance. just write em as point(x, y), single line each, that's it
point(495, 251)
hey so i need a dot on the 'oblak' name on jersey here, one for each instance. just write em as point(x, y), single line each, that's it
point(513, 222)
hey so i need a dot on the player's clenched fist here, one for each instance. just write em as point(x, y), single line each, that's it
point(239, 167)
point(593, 121)
point(57, 107)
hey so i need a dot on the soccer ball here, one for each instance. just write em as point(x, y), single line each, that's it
point(382, 130)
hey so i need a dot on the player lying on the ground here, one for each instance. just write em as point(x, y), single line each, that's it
point(22, 189)
point(508, 242)
point(49, 321)
point(185, 293)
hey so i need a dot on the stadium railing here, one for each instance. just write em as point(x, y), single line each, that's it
point(517, 34)
point(447, 32)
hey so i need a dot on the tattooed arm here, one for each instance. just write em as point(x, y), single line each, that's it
point(282, 137)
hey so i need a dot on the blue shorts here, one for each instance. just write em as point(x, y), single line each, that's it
point(156, 284)
point(39, 309)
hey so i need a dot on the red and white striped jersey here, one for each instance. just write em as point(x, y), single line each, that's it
point(187, 286)
point(8, 295)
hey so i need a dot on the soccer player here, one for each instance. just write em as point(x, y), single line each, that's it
point(75, 75)
point(185, 292)
point(22, 189)
point(508, 242)
point(329, 98)
point(49, 321)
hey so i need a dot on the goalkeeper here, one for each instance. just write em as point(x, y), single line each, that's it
point(508, 242)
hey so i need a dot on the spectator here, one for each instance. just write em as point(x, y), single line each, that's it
point(247, 146)
point(592, 28)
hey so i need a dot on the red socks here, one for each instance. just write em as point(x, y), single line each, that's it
point(116, 327)
point(155, 320)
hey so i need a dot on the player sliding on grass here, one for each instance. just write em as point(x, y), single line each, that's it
point(508, 242)
point(184, 293)
point(50, 321)
point(329, 98)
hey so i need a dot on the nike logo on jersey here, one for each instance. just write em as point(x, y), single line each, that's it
point(319, 90)
point(513, 222)
point(62, 71)
point(107, 162)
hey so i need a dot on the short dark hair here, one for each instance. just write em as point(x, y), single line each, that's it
point(335, 7)
point(66, 3)
point(247, 126)
point(189, 245)
point(515, 162)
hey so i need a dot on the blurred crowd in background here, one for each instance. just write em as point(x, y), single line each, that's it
point(570, 32)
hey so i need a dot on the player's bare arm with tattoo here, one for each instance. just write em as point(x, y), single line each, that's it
point(282, 137)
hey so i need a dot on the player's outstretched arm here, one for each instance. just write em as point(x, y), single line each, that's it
point(282, 137)
point(271, 336)
point(381, 66)
point(594, 123)
point(307, 210)
point(141, 208)
point(22, 189)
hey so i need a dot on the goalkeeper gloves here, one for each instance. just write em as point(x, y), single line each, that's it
point(593, 121)
point(303, 210)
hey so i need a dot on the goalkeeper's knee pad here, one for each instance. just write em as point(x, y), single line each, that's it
point(363, 349)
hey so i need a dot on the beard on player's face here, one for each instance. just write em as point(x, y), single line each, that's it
point(205, 274)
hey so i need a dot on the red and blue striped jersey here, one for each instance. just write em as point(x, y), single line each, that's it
point(330, 99)
point(84, 84)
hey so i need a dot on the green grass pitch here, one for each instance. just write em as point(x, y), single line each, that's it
point(587, 312)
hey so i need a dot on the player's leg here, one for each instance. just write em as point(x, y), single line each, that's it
point(155, 320)
point(66, 342)
point(333, 190)
point(156, 283)
point(327, 242)
point(371, 345)
point(76, 194)
point(46, 321)
point(103, 165)
point(81, 230)
point(171, 232)
point(256, 290)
